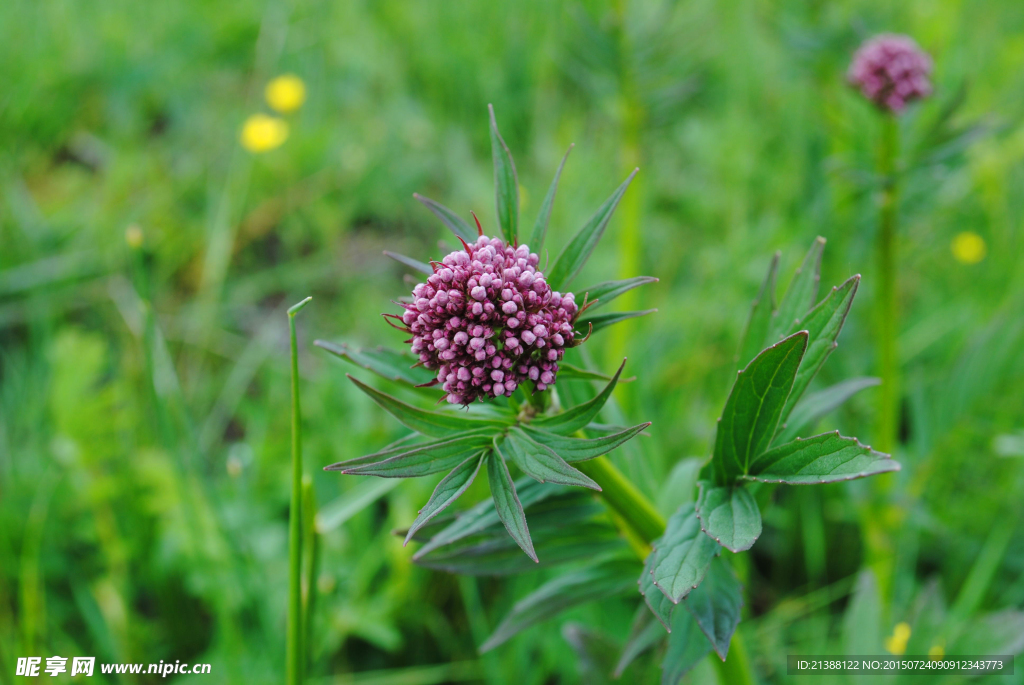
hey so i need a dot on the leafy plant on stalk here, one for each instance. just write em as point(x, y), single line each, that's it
point(490, 330)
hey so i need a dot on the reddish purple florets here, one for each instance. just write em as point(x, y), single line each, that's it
point(891, 71)
point(487, 321)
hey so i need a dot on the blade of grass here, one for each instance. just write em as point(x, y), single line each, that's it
point(294, 653)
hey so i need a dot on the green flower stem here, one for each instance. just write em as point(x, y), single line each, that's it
point(635, 510)
point(312, 553)
point(886, 298)
point(294, 653)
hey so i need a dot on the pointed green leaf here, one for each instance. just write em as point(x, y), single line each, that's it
point(603, 293)
point(755, 404)
point(660, 605)
point(575, 373)
point(801, 294)
point(817, 406)
point(447, 491)
point(580, 449)
point(576, 253)
point(755, 335)
point(686, 647)
point(572, 420)
point(395, 366)
point(449, 218)
point(822, 324)
point(540, 229)
point(599, 321)
point(507, 504)
point(644, 634)
point(413, 264)
point(394, 449)
point(683, 555)
point(429, 423)
point(433, 457)
point(729, 515)
point(606, 579)
point(825, 458)
point(716, 604)
point(506, 184)
point(540, 462)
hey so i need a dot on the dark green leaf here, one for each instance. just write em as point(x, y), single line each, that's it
point(825, 458)
point(801, 294)
point(413, 264)
point(716, 604)
point(822, 324)
point(687, 645)
point(817, 406)
point(572, 420)
point(540, 462)
point(567, 372)
point(755, 335)
point(660, 605)
point(600, 581)
point(580, 449)
point(429, 423)
point(395, 366)
point(576, 253)
point(506, 184)
point(683, 555)
point(422, 460)
point(449, 218)
point(540, 229)
point(394, 449)
point(447, 491)
point(755, 404)
point(644, 634)
point(603, 293)
point(599, 321)
point(507, 504)
point(729, 515)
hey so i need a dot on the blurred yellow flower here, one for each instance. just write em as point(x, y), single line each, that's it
point(286, 93)
point(261, 133)
point(133, 236)
point(897, 642)
point(936, 653)
point(968, 248)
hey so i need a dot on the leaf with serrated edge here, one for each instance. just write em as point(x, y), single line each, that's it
point(572, 420)
point(447, 491)
point(660, 605)
point(825, 458)
point(395, 366)
point(683, 556)
point(506, 184)
point(599, 321)
point(802, 292)
point(507, 504)
point(823, 324)
point(576, 253)
point(413, 264)
point(423, 460)
point(429, 423)
point(755, 404)
point(716, 604)
point(817, 406)
point(687, 646)
point(449, 218)
point(755, 335)
point(580, 449)
point(540, 462)
point(729, 515)
point(603, 293)
point(540, 229)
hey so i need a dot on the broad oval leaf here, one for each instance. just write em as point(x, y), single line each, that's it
point(716, 604)
point(801, 293)
point(729, 515)
point(422, 460)
point(507, 504)
point(818, 405)
point(449, 218)
point(540, 462)
point(572, 420)
point(825, 458)
point(660, 605)
point(506, 184)
point(755, 334)
point(576, 253)
point(599, 321)
point(754, 407)
point(540, 229)
point(386, 363)
point(447, 491)
point(603, 293)
point(683, 555)
point(581, 449)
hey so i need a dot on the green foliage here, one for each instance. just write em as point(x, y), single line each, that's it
point(506, 185)
point(729, 515)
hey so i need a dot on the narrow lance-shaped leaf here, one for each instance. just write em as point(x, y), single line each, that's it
point(568, 371)
point(683, 555)
point(423, 460)
point(447, 491)
point(580, 449)
point(540, 462)
point(576, 253)
point(449, 218)
point(507, 504)
point(801, 294)
point(825, 458)
point(686, 647)
point(572, 420)
point(540, 229)
point(716, 604)
point(817, 406)
point(506, 184)
point(599, 321)
point(413, 264)
point(729, 515)
point(430, 423)
point(755, 404)
point(386, 363)
point(660, 605)
point(755, 335)
point(401, 446)
point(603, 293)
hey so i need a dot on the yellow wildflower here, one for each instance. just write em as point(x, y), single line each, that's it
point(937, 652)
point(286, 93)
point(968, 248)
point(261, 133)
point(897, 642)
point(133, 236)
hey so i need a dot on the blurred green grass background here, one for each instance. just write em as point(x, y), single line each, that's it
point(144, 426)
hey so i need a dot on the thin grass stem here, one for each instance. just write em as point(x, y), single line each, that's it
point(294, 652)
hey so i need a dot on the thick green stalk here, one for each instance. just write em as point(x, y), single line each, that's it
point(635, 510)
point(294, 653)
point(886, 298)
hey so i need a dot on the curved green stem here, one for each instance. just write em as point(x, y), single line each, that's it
point(294, 654)
point(636, 511)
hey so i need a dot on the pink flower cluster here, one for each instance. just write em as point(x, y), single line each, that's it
point(487, 321)
point(891, 71)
